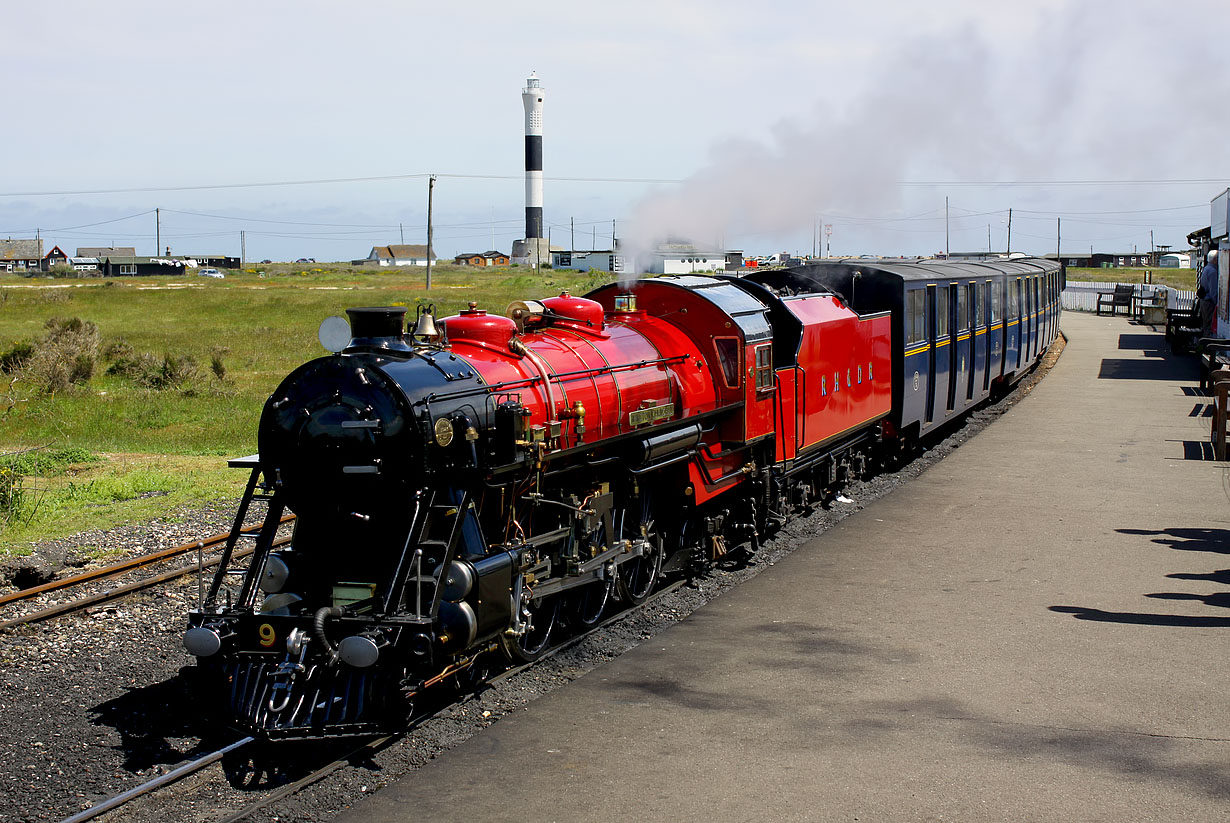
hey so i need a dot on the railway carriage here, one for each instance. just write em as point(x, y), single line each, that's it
point(476, 485)
point(960, 331)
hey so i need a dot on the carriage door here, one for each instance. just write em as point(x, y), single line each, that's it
point(988, 313)
point(953, 291)
point(975, 320)
point(1020, 325)
point(932, 338)
point(1038, 308)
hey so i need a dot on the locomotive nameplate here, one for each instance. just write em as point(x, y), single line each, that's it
point(444, 431)
point(652, 414)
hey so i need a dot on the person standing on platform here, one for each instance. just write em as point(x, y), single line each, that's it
point(1206, 290)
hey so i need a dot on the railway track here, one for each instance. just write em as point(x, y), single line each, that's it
point(13, 603)
point(351, 755)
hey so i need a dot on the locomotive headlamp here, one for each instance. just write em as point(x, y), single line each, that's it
point(202, 641)
point(625, 303)
point(334, 333)
point(444, 431)
point(358, 651)
point(274, 577)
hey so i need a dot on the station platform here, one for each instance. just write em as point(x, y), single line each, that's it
point(1035, 629)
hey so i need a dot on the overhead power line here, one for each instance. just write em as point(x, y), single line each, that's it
point(641, 180)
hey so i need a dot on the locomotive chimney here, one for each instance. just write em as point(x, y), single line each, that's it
point(377, 327)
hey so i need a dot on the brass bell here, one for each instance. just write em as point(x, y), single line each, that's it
point(425, 326)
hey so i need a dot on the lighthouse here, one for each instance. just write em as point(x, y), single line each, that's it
point(533, 249)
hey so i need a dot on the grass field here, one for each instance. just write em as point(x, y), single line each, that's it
point(158, 449)
point(1175, 278)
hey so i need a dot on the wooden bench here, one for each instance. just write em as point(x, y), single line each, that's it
point(1183, 326)
point(1121, 296)
point(1214, 355)
point(1220, 380)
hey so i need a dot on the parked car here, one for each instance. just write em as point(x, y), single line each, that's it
point(266, 261)
point(212, 273)
point(306, 260)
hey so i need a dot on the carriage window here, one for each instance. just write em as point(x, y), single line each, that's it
point(728, 357)
point(980, 304)
point(962, 308)
point(764, 367)
point(941, 314)
point(997, 302)
point(1014, 299)
point(916, 318)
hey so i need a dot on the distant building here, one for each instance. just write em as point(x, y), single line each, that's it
point(55, 257)
point(1108, 260)
point(106, 251)
point(133, 266)
point(487, 258)
point(681, 259)
point(21, 255)
point(1175, 260)
point(83, 263)
point(396, 255)
point(599, 260)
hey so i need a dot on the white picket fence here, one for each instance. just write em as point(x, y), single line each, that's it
point(1083, 295)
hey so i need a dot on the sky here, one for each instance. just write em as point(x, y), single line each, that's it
point(735, 125)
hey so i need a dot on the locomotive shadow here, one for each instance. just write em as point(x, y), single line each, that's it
point(161, 724)
point(168, 723)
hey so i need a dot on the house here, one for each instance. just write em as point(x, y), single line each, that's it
point(487, 258)
point(125, 266)
point(396, 255)
point(21, 255)
point(597, 260)
point(106, 251)
point(682, 258)
point(55, 257)
point(83, 263)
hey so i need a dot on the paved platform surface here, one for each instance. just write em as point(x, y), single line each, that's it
point(1036, 629)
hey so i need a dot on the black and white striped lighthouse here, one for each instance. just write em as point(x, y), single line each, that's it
point(531, 98)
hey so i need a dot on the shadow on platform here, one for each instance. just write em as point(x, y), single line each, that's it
point(1144, 618)
point(1214, 541)
point(1165, 369)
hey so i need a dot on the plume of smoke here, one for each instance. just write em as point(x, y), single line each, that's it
point(960, 108)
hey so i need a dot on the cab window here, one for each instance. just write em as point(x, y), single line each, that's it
point(727, 349)
point(764, 367)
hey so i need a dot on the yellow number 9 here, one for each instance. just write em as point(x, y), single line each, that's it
point(268, 635)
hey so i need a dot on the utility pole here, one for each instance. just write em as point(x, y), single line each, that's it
point(401, 228)
point(243, 248)
point(1009, 251)
point(612, 237)
point(1058, 236)
point(946, 252)
point(988, 238)
point(572, 242)
point(431, 185)
point(157, 231)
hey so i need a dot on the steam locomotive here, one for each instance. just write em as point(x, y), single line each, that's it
point(481, 483)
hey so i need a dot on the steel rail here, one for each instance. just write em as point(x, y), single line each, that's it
point(145, 788)
point(119, 591)
point(118, 568)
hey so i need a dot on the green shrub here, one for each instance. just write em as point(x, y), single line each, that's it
point(65, 357)
point(171, 371)
point(16, 357)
